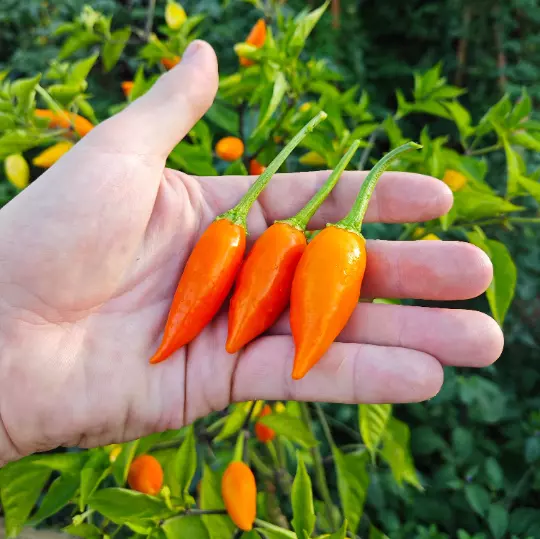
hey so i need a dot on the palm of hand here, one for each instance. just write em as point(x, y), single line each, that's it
point(91, 257)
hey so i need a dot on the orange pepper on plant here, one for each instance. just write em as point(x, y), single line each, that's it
point(264, 434)
point(230, 148)
point(264, 283)
point(127, 86)
point(48, 157)
point(255, 168)
point(211, 268)
point(146, 475)
point(256, 38)
point(168, 63)
point(66, 120)
point(328, 279)
point(454, 179)
point(239, 492)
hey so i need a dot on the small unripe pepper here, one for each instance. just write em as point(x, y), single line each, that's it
point(214, 262)
point(175, 15)
point(239, 492)
point(127, 86)
point(17, 170)
point(169, 62)
point(328, 279)
point(263, 287)
point(430, 237)
point(48, 157)
point(256, 37)
point(66, 120)
point(230, 148)
point(146, 475)
point(264, 434)
point(255, 168)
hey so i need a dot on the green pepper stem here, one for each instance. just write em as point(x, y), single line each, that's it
point(238, 214)
point(353, 220)
point(302, 218)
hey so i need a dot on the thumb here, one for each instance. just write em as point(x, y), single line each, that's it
point(157, 121)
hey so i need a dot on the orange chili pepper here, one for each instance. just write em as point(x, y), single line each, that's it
point(169, 63)
point(214, 262)
point(229, 148)
point(127, 86)
point(328, 279)
point(256, 37)
point(239, 492)
point(47, 158)
point(264, 434)
point(66, 120)
point(255, 168)
point(146, 475)
point(263, 287)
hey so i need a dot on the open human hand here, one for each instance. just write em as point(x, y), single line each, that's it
point(90, 258)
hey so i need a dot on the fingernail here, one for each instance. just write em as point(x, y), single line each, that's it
point(192, 51)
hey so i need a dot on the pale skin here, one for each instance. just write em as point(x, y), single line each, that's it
point(92, 251)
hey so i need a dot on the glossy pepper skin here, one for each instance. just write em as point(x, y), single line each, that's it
point(66, 120)
point(207, 279)
point(328, 279)
point(146, 475)
point(239, 492)
point(47, 158)
point(214, 262)
point(325, 292)
point(263, 433)
point(263, 287)
point(256, 37)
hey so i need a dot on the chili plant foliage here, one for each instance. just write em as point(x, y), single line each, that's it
point(307, 484)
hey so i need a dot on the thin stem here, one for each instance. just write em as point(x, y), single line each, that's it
point(238, 214)
point(302, 218)
point(353, 221)
point(485, 150)
point(345, 428)
point(272, 527)
point(367, 150)
point(248, 417)
point(324, 424)
point(198, 512)
point(149, 18)
point(320, 476)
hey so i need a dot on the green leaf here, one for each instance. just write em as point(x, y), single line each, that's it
point(303, 25)
point(526, 140)
point(502, 288)
point(79, 70)
point(497, 520)
point(235, 420)
point(396, 452)
point(373, 419)
point(76, 41)
point(186, 462)
point(352, 481)
point(471, 204)
point(122, 505)
point(461, 117)
point(532, 449)
point(64, 94)
point(122, 463)
point(302, 501)
point(60, 493)
point(191, 527)
point(112, 50)
point(494, 473)
point(62, 462)
point(20, 141)
point(522, 109)
point(531, 186)
point(478, 498)
point(341, 533)
point(274, 532)
point(291, 428)
point(84, 530)
point(513, 167)
point(278, 93)
point(374, 533)
point(236, 168)
point(192, 158)
point(20, 486)
point(94, 471)
point(24, 90)
point(218, 526)
point(525, 521)
point(224, 117)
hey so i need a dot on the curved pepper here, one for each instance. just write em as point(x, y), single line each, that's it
point(214, 262)
point(263, 287)
point(328, 279)
point(239, 492)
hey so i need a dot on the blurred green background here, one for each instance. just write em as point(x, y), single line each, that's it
point(477, 444)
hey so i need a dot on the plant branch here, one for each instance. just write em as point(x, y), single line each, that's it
point(149, 18)
point(487, 149)
point(320, 477)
